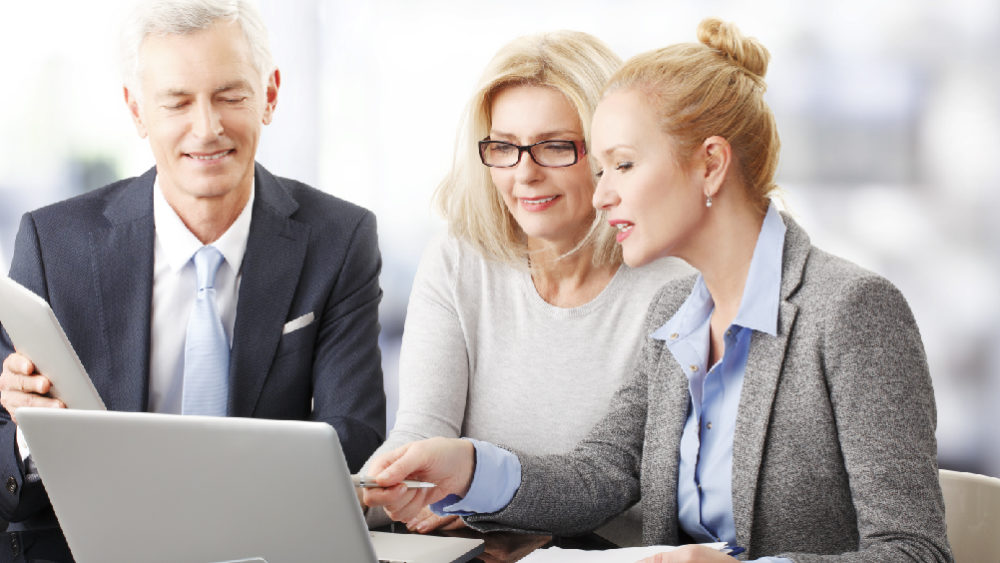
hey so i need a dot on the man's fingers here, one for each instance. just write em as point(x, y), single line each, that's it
point(38, 384)
point(44, 402)
point(18, 364)
point(17, 383)
point(12, 400)
point(18, 399)
point(19, 375)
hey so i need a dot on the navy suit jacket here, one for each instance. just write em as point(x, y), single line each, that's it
point(91, 257)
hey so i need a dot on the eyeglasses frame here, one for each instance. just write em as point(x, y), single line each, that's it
point(579, 149)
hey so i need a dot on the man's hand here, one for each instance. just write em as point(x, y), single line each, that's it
point(690, 554)
point(449, 463)
point(22, 386)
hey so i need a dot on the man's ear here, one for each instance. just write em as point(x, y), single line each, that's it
point(271, 95)
point(717, 155)
point(133, 109)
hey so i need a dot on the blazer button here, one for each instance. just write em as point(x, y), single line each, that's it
point(12, 485)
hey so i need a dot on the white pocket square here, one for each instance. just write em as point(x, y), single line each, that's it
point(296, 324)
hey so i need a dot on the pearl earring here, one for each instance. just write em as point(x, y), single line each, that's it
point(708, 201)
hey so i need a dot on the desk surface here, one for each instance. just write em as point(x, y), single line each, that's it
point(505, 547)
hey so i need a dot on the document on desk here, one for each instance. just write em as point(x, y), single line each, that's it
point(621, 555)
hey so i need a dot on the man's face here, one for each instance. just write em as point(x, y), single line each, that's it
point(202, 107)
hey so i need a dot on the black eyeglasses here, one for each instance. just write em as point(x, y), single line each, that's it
point(552, 153)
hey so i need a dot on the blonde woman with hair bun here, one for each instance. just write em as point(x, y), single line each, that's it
point(523, 321)
point(782, 403)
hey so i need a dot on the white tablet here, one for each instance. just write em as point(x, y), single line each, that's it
point(36, 333)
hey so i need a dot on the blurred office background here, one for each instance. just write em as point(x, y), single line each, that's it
point(889, 113)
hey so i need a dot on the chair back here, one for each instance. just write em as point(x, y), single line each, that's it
point(972, 512)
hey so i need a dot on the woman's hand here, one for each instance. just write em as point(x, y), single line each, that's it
point(690, 554)
point(449, 463)
point(427, 521)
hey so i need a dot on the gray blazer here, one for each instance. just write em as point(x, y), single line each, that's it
point(834, 449)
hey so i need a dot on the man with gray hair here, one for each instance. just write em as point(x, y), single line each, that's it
point(206, 285)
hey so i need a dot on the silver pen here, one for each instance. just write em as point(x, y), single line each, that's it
point(365, 482)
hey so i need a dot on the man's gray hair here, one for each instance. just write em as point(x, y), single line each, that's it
point(180, 17)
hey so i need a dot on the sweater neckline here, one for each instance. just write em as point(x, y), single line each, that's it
point(611, 290)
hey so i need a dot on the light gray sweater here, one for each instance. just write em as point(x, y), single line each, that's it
point(484, 356)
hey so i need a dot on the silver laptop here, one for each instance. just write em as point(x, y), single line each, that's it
point(36, 333)
point(132, 487)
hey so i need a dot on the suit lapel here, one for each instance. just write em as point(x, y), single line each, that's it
point(122, 257)
point(760, 382)
point(276, 250)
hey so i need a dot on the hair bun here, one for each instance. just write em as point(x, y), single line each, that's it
point(727, 38)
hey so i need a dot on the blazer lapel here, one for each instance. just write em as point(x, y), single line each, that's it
point(122, 255)
point(667, 410)
point(760, 382)
point(668, 405)
point(276, 250)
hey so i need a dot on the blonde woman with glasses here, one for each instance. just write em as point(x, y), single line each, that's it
point(523, 321)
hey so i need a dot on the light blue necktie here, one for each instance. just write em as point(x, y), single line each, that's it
point(206, 349)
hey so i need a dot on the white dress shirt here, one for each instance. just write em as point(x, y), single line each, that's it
point(174, 291)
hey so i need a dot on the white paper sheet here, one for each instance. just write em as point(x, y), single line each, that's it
point(622, 555)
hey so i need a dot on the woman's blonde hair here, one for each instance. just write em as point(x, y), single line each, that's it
point(715, 87)
point(574, 63)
